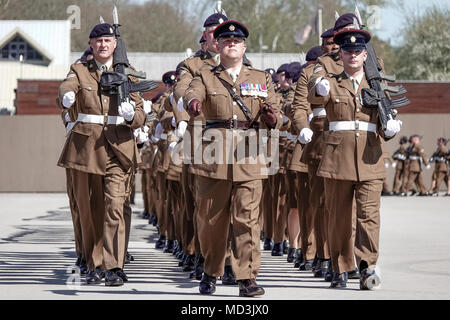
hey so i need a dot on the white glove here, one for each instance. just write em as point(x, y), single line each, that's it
point(323, 87)
point(126, 110)
point(142, 137)
point(428, 167)
point(171, 98)
point(172, 146)
point(136, 132)
point(394, 165)
point(392, 128)
point(68, 99)
point(181, 129)
point(67, 117)
point(158, 131)
point(386, 165)
point(147, 105)
point(69, 126)
point(310, 117)
point(146, 129)
point(173, 122)
point(180, 105)
point(305, 136)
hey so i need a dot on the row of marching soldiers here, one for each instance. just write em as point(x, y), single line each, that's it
point(292, 208)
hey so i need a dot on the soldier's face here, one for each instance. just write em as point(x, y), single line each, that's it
point(232, 47)
point(211, 43)
point(353, 59)
point(328, 46)
point(103, 47)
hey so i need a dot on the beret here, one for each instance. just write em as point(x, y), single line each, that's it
point(169, 77)
point(102, 30)
point(214, 20)
point(328, 34)
point(283, 68)
point(314, 53)
point(345, 20)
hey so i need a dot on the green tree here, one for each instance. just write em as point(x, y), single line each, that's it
point(425, 51)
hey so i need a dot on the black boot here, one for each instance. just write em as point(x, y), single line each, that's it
point(329, 273)
point(169, 246)
point(268, 244)
point(299, 259)
point(207, 284)
point(197, 273)
point(189, 263)
point(228, 276)
point(161, 242)
point(339, 280)
point(277, 249)
point(285, 247)
point(291, 255)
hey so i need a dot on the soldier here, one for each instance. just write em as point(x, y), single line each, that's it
point(416, 159)
point(229, 98)
point(399, 164)
point(102, 152)
point(352, 163)
point(440, 165)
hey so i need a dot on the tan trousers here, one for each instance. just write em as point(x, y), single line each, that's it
point(305, 214)
point(75, 215)
point(145, 195)
point(279, 203)
point(161, 202)
point(415, 177)
point(266, 206)
point(317, 203)
point(188, 232)
point(151, 191)
point(117, 188)
point(340, 229)
point(399, 179)
point(232, 209)
point(440, 177)
point(89, 196)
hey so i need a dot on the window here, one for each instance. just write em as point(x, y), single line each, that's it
point(19, 47)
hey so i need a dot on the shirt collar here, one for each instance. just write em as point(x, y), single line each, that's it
point(358, 78)
point(107, 64)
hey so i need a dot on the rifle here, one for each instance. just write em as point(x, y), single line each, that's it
point(117, 82)
point(376, 96)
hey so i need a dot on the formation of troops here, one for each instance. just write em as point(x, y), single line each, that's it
point(230, 156)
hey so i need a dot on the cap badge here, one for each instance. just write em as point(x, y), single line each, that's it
point(111, 30)
point(232, 28)
point(353, 39)
point(220, 20)
point(172, 77)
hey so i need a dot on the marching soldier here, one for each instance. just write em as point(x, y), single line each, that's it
point(102, 152)
point(228, 194)
point(352, 163)
point(399, 164)
point(417, 159)
point(440, 165)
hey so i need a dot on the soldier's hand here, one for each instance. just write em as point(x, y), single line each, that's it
point(147, 105)
point(68, 99)
point(305, 136)
point(323, 87)
point(392, 128)
point(126, 110)
point(394, 165)
point(195, 108)
point(181, 129)
point(268, 115)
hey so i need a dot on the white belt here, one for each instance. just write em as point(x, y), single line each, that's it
point(99, 119)
point(283, 133)
point(292, 137)
point(414, 157)
point(163, 136)
point(353, 125)
point(319, 112)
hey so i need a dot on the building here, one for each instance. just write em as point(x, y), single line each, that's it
point(31, 50)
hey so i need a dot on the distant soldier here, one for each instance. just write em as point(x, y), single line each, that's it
point(440, 160)
point(401, 172)
point(417, 160)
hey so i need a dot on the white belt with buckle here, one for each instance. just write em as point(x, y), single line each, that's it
point(353, 125)
point(100, 119)
point(414, 157)
point(319, 112)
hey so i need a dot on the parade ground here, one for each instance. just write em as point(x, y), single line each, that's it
point(37, 253)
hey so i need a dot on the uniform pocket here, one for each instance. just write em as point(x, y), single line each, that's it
point(341, 108)
point(220, 106)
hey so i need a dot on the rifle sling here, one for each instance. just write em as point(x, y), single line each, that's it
point(238, 100)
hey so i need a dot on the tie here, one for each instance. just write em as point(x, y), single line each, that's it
point(104, 68)
point(355, 85)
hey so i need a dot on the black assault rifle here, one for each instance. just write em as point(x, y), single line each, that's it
point(117, 82)
point(376, 96)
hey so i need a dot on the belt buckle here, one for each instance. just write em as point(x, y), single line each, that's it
point(356, 125)
point(105, 120)
point(233, 123)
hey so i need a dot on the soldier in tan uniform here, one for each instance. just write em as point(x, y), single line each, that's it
point(229, 178)
point(440, 160)
point(416, 161)
point(102, 152)
point(399, 164)
point(352, 163)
